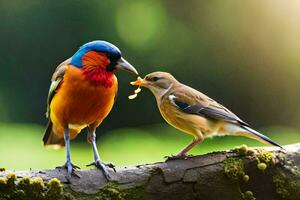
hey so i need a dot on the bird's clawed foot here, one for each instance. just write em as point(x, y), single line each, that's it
point(103, 167)
point(178, 157)
point(71, 170)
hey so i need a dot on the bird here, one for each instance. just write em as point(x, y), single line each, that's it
point(194, 113)
point(82, 93)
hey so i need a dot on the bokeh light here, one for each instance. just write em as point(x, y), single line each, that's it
point(138, 22)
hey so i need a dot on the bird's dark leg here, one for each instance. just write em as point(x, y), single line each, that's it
point(69, 165)
point(97, 162)
point(183, 153)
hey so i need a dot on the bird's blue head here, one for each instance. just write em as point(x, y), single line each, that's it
point(109, 49)
point(103, 53)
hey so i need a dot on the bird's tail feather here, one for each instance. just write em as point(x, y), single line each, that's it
point(51, 139)
point(250, 133)
point(261, 137)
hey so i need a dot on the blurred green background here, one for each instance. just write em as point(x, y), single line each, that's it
point(244, 54)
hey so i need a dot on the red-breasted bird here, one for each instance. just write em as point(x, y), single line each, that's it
point(82, 93)
point(195, 113)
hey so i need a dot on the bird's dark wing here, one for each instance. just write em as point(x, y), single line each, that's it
point(191, 101)
point(56, 80)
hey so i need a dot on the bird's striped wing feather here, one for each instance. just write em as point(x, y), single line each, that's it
point(55, 82)
point(214, 113)
point(194, 102)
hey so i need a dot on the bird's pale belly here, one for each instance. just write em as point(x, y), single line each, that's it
point(188, 123)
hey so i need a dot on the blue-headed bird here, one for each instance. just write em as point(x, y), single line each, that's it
point(82, 93)
point(195, 113)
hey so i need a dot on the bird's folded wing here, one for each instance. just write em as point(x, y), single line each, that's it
point(57, 77)
point(193, 102)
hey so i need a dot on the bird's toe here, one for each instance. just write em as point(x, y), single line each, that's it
point(103, 167)
point(176, 157)
point(112, 166)
point(75, 166)
point(71, 170)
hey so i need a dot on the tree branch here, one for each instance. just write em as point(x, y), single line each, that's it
point(243, 173)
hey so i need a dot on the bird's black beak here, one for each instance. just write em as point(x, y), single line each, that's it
point(123, 64)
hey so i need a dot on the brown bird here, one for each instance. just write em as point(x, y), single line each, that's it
point(195, 113)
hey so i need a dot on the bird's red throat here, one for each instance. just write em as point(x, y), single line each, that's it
point(99, 76)
point(94, 69)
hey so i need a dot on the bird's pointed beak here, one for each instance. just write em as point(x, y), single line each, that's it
point(139, 82)
point(123, 64)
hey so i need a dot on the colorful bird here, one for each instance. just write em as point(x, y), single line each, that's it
point(82, 93)
point(193, 112)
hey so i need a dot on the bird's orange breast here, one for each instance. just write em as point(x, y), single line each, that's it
point(79, 102)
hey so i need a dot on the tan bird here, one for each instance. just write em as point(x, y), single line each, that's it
point(195, 113)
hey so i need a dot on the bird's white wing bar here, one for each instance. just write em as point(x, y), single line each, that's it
point(172, 99)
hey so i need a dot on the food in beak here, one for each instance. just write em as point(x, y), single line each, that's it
point(138, 82)
point(138, 90)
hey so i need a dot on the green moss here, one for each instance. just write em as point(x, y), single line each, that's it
point(27, 188)
point(246, 178)
point(248, 195)
point(265, 157)
point(262, 156)
point(111, 192)
point(54, 190)
point(25, 183)
point(37, 188)
point(3, 186)
point(243, 149)
point(2, 181)
point(287, 187)
point(11, 177)
point(24, 187)
point(279, 180)
point(69, 196)
point(234, 168)
point(136, 193)
point(10, 183)
point(262, 166)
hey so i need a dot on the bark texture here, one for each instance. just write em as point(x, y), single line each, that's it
point(242, 173)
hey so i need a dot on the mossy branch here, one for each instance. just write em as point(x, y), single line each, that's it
point(243, 173)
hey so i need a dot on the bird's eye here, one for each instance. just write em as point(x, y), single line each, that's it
point(113, 57)
point(154, 79)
